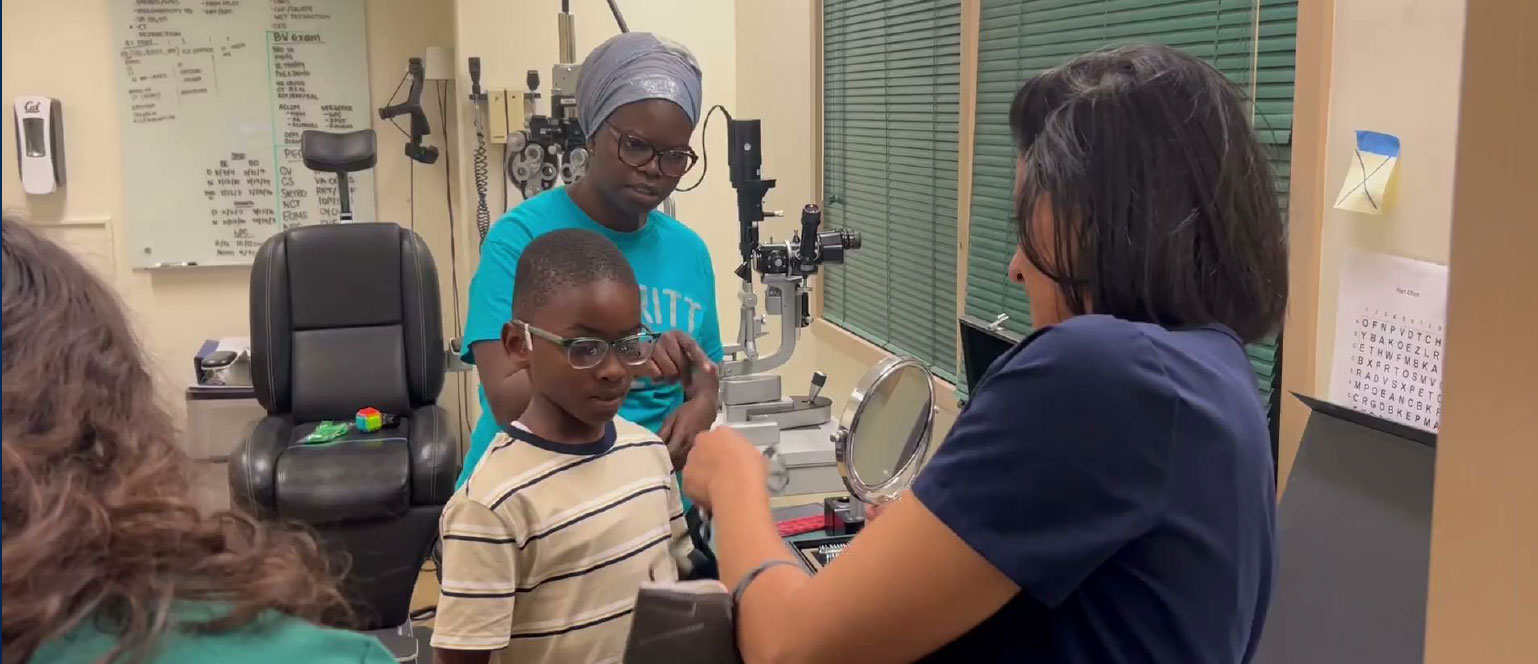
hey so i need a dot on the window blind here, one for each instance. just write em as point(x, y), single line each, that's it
point(1253, 42)
point(891, 118)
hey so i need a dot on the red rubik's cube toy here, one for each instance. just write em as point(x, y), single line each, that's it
point(369, 420)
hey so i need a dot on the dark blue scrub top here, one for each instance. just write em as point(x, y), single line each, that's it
point(1121, 474)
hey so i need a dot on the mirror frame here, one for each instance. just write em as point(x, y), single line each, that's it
point(855, 408)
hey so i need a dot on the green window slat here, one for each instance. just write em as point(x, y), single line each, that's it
point(891, 123)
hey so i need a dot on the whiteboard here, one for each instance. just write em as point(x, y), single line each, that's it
point(214, 95)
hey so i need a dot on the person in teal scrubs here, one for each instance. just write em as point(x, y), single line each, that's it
point(107, 556)
point(639, 100)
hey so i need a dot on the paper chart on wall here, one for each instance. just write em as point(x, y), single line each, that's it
point(1390, 322)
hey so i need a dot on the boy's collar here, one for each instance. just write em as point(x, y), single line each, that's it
point(604, 442)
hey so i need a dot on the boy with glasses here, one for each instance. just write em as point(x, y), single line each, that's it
point(572, 507)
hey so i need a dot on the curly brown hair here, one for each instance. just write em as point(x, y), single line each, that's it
point(99, 521)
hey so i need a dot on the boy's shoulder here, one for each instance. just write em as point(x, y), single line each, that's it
point(627, 431)
point(509, 463)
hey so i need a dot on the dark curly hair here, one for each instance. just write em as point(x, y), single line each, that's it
point(564, 259)
point(99, 522)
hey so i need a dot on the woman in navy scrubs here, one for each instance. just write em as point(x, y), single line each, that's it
point(1107, 496)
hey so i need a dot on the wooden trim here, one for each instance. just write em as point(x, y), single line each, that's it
point(1306, 205)
point(971, 27)
point(1481, 605)
point(818, 97)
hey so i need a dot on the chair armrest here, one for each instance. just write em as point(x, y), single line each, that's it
point(253, 466)
point(434, 442)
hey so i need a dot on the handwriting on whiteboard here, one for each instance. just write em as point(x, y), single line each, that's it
point(217, 94)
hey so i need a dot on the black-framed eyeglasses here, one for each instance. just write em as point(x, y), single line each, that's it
point(637, 152)
point(589, 352)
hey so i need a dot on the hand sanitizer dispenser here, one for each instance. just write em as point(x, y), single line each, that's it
point(40, 143)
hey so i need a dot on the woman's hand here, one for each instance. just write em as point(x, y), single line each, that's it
point(683, 425)
point(701, 386)
point(507, 386)
point(720, 458)
point(670, 359)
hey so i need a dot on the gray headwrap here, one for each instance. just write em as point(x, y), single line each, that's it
point(636, 66)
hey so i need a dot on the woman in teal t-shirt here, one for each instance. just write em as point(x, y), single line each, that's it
point(639, 99)
point(107, 559)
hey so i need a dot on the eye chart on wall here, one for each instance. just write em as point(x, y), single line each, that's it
point(1390, 322)
point(214, 95)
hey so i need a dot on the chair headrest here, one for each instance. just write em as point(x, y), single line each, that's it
point(330, 152)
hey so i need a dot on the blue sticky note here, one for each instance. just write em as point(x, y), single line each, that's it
point(1373, 142)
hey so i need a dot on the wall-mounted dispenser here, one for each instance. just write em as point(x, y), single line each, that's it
point(40, 143)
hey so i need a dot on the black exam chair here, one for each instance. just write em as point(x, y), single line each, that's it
point(343, 317)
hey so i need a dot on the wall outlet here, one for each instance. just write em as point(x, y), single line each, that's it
point(452, 362)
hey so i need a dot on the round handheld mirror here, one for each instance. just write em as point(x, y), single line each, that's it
point(883, 434)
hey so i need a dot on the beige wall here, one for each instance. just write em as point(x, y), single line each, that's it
point(1456, 81)
point(1483, 598)
point(775, 77)
point(63, 49)
point(1392, 66)
point(397, 30)
point(1396, 69)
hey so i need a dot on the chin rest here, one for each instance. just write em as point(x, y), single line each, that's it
point(343, 317)
point(330, 152)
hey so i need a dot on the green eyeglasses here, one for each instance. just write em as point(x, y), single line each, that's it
point(589, 352)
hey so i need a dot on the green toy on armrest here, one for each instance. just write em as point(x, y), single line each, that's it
point(328, 431)
point(368, 420)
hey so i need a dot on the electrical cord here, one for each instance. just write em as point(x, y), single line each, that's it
point(391, 102)
point(397, 90)
point(705, 145)
point(448, 198)
point(618, 17)
point(481, 168)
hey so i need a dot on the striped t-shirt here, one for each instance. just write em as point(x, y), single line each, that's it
point(546, 545)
